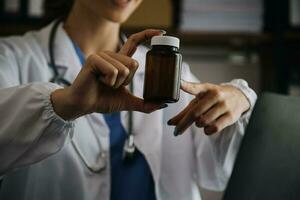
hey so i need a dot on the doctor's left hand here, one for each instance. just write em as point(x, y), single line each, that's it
point(213, 108)
point(101, 84)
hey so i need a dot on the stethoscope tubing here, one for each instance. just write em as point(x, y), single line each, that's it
point(57, 78)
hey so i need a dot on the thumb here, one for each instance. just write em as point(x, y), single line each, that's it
point(136, 39)
point(194, 88)
point(138, 104)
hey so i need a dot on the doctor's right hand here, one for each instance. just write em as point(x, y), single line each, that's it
point(101, 84)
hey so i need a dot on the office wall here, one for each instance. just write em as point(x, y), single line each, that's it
point(219, 65)
point(152, 13)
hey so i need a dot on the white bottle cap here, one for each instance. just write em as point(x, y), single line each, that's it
point(165, 40)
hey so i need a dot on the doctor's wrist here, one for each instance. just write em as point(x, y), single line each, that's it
point(64, 105)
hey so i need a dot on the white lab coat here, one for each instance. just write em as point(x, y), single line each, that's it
point(38, 142)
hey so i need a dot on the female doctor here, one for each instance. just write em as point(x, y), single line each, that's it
point(127, 155)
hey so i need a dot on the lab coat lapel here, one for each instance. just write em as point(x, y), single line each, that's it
point(148, 136)
point(67, 60)
point(65, 56)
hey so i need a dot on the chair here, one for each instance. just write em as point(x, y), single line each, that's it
point(268, 163)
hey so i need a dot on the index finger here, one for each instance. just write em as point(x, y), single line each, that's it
point(194, 88)
point(136, 39)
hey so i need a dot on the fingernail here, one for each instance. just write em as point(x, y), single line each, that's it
point(176, 132)
point(163, 32)
point(209, 130)
point(169, 122)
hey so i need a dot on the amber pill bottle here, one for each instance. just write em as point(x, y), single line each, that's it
point(163, 70)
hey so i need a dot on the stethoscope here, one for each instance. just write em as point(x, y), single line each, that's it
point(129, 148)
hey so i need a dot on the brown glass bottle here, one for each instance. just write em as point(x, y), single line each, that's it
point(163, 70)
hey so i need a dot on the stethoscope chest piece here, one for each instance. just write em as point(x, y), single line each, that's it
point(129, 149)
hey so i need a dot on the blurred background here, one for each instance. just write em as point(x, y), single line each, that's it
point(257, 40)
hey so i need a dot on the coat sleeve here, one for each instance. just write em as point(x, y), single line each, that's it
point(215, 155)
point(29, 128)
